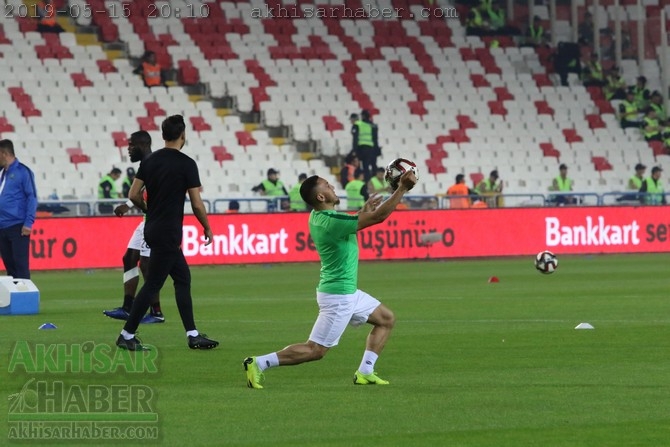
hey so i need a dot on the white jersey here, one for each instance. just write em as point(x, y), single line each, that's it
point(137, 242)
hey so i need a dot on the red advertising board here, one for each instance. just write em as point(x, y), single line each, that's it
point(99, 242)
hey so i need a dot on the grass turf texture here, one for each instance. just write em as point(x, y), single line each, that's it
point(470, 363)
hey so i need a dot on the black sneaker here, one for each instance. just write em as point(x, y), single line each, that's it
point(201, 341)
point(134, 344)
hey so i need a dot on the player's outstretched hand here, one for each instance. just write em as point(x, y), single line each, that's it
point(209, 236)
point(372, 203)
point(121, 210)
point(408, 180)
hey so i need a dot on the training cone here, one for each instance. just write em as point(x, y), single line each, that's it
point(494, 279)
point(47, 326)
point(584, 326)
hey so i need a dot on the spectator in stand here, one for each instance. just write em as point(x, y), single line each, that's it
point(46, 11)
point(585, 30)
point(615, 86)
point(592, 73)
point(351, 164)
point(272, 187)
point(377, 184)
point(652, 188)
point(656, 103)
point(651, 128)
point(150, 70)
point(477, 22)
point(127, 182)
point(535, 34)
point(356, 191)
point(233, 207)
point(295, 199)
point(634, 184)
point(107, 190)
point(640, 92)
point(365, 143)
point(629, 112)
point(353, 118)
point(562, 184)
point(491, 189)
point(461, 192)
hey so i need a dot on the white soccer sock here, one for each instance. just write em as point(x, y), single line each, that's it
point(368, 363)
point(126, 335)
point(193, 333)
point(267, 361)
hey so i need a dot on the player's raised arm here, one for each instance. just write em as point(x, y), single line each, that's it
point(379, 215)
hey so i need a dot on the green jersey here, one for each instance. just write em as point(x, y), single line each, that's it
point(334, 235)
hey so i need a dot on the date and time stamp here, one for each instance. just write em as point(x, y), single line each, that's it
point(114, 10)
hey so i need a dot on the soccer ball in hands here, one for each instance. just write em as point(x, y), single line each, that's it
point(546, 262)
point(397, 168)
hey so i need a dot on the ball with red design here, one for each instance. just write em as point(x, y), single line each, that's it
point(546, 262)
point(397, 168)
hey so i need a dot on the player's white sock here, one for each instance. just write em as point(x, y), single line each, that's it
point(126, 335)
point(267, 361)
point(368, 363)
point(193, 333)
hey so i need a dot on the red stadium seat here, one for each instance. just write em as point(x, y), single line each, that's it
point(199, 124)
point(221, 154)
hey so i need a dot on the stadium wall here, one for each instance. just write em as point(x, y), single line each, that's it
point(99, 242)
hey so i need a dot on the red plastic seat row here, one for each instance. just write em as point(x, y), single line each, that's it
point(548, 150)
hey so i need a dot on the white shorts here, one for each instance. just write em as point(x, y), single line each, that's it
point(137, 242)
point(338, 311)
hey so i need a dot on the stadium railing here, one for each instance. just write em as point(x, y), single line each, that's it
point(68, 208)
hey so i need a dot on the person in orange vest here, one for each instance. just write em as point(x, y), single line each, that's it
point(150, 70)
point(47, 13)
point(351, 165)
point(461, 190)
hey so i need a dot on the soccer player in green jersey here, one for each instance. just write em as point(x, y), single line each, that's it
point(340, 301)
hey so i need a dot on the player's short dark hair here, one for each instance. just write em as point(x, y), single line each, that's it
point(459, 178)
point(7, 146)
point(172, 127)
point(308, 190)
point(141, 138)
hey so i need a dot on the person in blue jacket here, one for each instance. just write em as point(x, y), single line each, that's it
point(18, 204)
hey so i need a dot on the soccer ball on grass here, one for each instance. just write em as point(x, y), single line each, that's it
point(397, 168)
point(546, 262)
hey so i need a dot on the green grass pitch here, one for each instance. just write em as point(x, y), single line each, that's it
point(470, 363)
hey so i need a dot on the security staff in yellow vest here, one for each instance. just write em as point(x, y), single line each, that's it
point(562, 184)
point(640, 92)
point(592, 74)
point(273, 187)
point(651, 128)
point(652, 188)
point(107, 190)
point(634, 184)
point(476, 23)
point(377, 184)
point(365, 144)
point(629, 112)
point(615, 87)
point(295, 200)
point(357, 192)
point(656, 103)
point(491, 188)
point(535, 35)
